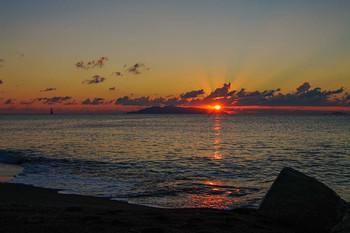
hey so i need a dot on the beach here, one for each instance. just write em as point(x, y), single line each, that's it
point(157, 173)
point(26, 208)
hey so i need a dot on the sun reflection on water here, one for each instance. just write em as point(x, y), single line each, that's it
point(210, 201)
point(217, 138)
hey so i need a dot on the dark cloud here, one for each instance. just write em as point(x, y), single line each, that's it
point(95, 101)
point(91, 64)
point(27, 102)
point(192, 94)
point(71, 103)
point(221, 91)
point(243, 97)
point(117, 73)
point(304, 87)
point(95, 79)
point(9, 101)
point(112, 88)
point(53, 100)
point(48, 89)
point(148, 101)
point(304, 97)
point(80, 64)
point(138, 68)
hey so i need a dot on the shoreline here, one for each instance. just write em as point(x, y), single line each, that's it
point(25, 208)
point(9, 171)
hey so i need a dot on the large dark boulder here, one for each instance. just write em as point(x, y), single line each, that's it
point(303, 202)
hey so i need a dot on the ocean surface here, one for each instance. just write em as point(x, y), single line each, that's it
point(215, 161)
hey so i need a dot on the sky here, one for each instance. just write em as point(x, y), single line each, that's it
point(116, 56)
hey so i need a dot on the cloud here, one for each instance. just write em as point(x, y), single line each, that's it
point(221, 91)
point(53, 100)
point(248, 98)
point(1, 82)
point(71, 103)
point(48, 89)
point(138, 68)
point(112, 88)
point(91, 64)
point(95, 79)
point(223, 95)
point(304, 87)
point(192, 94)
point(117, 73)
point(27, 102)
point(9, 101)
point(149, 101)
point(96, 101)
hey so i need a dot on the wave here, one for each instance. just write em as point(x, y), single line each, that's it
point(11, 157)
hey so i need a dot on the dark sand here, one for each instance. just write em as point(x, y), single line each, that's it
point(29, 209)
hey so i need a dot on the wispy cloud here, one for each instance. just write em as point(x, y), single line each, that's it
point(71, 103)
point(95, 79)
point(50, 101)
point(91, 64)
point(96, 101)
point(53, 100)
point(138, 68)
point(48, 89)
point(117, 73)
point(149, 101)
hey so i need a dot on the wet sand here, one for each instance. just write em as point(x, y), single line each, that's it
point(8, 171)
point(25, 208)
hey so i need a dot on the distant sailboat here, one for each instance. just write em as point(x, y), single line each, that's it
point(51, 112)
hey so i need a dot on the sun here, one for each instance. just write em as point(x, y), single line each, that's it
point(217, 107)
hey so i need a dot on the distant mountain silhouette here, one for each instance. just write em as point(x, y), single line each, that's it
point(170, 110)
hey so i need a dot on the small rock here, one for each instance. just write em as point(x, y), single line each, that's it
point(303, 202)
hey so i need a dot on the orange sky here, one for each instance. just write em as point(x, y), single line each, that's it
point(164, 49)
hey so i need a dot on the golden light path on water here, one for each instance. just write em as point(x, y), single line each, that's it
point(219, 196)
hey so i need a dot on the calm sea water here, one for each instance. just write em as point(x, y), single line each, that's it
point(216, 161)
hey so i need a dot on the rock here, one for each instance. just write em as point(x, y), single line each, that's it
point(344, 225)
point(303, 202)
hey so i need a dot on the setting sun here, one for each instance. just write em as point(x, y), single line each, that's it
point(217, 107)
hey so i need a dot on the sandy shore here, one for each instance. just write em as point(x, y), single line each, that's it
point(29, 209)
point(8, 171)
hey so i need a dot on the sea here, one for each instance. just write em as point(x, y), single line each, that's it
point(175, 161)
